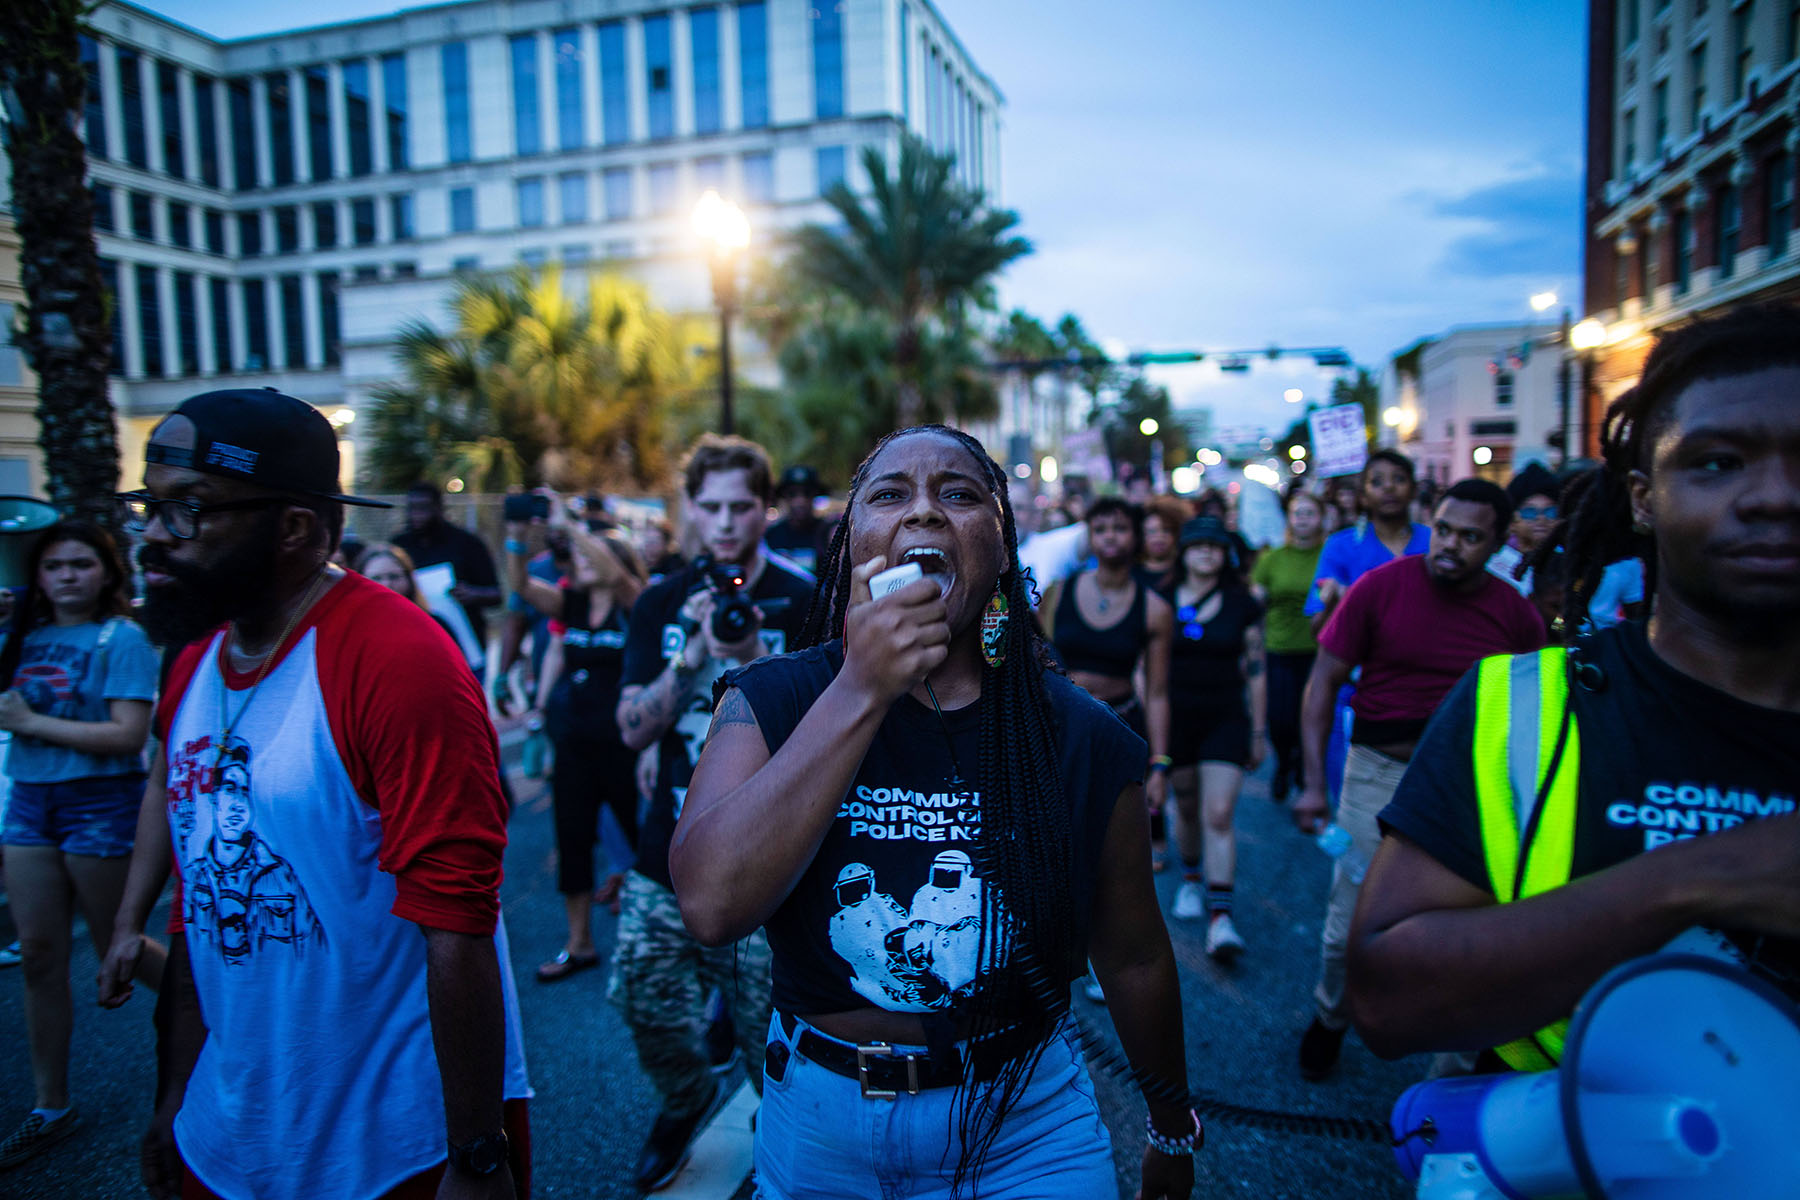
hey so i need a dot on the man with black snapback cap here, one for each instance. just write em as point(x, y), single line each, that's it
point(799, 536)
point(323, 730)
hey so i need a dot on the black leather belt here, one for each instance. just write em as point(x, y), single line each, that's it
point(884, 1072)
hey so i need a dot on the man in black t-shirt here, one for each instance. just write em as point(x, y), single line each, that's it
point(1673, 797)
point(675, 649)
point(799, 535)
point(429, 539)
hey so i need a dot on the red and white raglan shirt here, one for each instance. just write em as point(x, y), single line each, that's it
point(355, 798)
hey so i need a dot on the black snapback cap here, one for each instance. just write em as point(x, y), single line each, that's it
point(261, 436)
point(797, 478)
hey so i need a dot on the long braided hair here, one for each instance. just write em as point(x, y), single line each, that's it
point(1025, 850)
point(1597, 529)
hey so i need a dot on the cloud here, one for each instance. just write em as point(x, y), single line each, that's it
point(1528, 226)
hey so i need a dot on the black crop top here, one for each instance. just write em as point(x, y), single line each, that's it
point(1113, 651)
point(889, 912)
point(1204, 661)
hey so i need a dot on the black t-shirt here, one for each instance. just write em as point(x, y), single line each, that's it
point(888, 914)
point(467, 555)
point(584, 701)
point(805, 548)
point(1663, 757)
point(655, 636)
point(1205, 661)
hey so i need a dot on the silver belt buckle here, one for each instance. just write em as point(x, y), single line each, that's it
point(870, 1050)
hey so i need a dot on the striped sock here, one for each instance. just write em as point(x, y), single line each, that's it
point(1218, 898)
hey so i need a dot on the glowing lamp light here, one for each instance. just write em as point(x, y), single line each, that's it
point(1298, 467)
point(453, 486)
point(1211, 457)
point(1587, 335)
point(1293, 395)
point(721, 223)
point(1023, 470)
point(1263, 474)
point(1185, 480)
point(1047, 470)
point(342, 417)
point(1483, 455)
point(1391, 416)
point(1296, 452)
point(1542, 301)
point(1148, 426)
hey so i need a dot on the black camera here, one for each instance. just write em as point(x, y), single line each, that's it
point(733, 615)
point(523, 506)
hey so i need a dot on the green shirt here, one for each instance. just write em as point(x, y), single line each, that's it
point(1285, 573)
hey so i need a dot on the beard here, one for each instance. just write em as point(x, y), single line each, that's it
point(202, 598)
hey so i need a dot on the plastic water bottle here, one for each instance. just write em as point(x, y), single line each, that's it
point(535, 753)
point(1335, 840)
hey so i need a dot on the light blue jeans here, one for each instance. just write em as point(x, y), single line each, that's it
point(818, 1139)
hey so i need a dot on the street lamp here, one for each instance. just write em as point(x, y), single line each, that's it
point(1543, 301)
point(726, 231)
point(1293, 395)
point(1148, 426)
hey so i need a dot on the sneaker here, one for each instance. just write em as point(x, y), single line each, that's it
point(1190, 901)
point(670, 1142)
point(10, 956)
point(1222, 940)
point(34, 1134)
point(722, 1051)
point(1319, 1048)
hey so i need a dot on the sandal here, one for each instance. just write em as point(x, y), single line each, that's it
point(565, 965)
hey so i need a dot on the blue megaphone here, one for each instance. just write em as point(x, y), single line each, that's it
point(1680, 1080)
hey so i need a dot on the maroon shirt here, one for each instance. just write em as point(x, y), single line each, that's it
point(1414, 639)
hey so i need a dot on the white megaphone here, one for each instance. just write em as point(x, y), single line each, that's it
point(1680, 1080)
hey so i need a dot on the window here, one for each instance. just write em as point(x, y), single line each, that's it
point(1684, 251)
point(1727, 219)
point(187, 324)
point(249, 234)
point(367, 274)
point(94, 124)
point(1741, 49)
point(1696, 86)
point(12, 360)
point(465, 266)
point(256, 325)
point(456, 101)
point(104, 221)
point(1791, 38)
point(575, 254)
point(357, 129)
point(709, 173)
point(663, 182)
point(109, 285)
point(572, 194)
point(243, 135)
point(753, 62)
point(905, 64)
point(703, 34)
point(1653, 261)
point(168, 102)
point(181, 227)
point(328, 318)
point(1780, 192)
point(658, 77)
point(143, 217)
point(1659, 115)
point(528, 137)
point(215, 231)
point(221, 323)
point(325, 230)
point(531, 202)
point(318, 122)
point(1627, 141)
point(566, 50)
point(406, 268)
point(393, 87)
point(831, 160)
point(1503, 388)
point(293, 322)
point(828, 59)
point(131, 103)
point(1630, 20)
point(206, 130)
point(281, 127)
point(400, 215)
point(615, 94)
point(534, 257)
point(759, 178)
point(287, 229)
point(149, 308)
point(616, 182)
point(462, 210)
point(362, 221)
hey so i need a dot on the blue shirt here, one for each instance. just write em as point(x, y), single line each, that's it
point(63, 673)
point(1351, 553)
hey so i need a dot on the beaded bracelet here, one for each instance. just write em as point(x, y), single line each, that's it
point(1175, 1147)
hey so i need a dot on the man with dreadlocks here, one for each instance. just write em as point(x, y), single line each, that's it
point(1661, 795)
point(936, 829)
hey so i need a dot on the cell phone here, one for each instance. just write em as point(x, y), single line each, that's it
point(523, 506)
point(894, 578)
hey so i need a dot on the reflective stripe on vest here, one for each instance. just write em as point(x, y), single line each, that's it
point(1520, 701)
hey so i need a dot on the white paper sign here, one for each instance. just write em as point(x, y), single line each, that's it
point(434, 583)
point(1339, 444)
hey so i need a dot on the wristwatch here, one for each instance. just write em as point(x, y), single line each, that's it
point(480, 1156)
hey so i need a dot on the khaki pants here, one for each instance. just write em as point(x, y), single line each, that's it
point(1370, 780)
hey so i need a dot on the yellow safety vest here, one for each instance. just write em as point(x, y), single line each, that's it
point(1521, 702)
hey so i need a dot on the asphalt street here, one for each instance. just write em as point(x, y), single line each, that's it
point(593, 1106)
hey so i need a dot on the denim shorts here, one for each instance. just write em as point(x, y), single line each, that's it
point(94, 817)
point(817, 1138)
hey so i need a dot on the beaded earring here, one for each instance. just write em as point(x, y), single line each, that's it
point(993, 629)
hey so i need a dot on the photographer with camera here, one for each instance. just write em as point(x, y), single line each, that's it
point(731, 606)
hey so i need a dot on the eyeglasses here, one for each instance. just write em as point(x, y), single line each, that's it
point(1538, 512)
point(180, 517)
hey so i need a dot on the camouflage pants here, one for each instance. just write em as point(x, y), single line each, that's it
point(661, 978)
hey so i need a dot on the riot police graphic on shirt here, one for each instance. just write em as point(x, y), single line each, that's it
point(242, 897)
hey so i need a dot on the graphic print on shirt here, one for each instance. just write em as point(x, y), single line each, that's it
point(927, 955)
point(51, 683)
point(242, 898)
point(695, 720)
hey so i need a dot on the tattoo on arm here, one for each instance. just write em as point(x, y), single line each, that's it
point(733, 710)
point(1253, 653)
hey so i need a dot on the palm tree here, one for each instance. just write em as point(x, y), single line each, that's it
point(923, 248)
point(65, 339)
